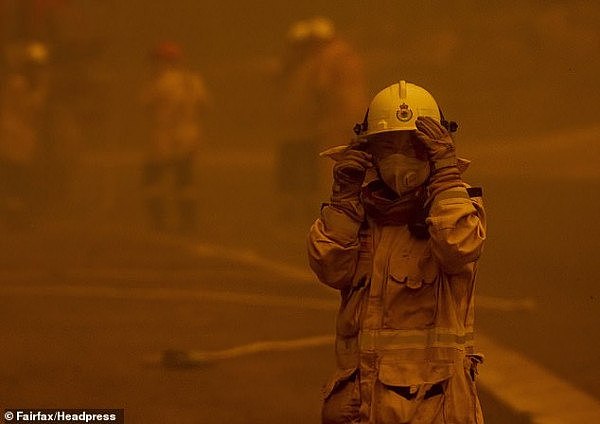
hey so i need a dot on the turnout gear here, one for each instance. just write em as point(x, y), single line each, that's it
point(174, 99)
point(323, 86)
point(23, 107)
point(404, 331)
point(405, 324)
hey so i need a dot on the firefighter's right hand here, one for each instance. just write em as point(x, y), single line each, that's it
point(349, 173)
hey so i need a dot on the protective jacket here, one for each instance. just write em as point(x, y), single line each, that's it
point(404, 342)
point(324, 90)
point(175, 99)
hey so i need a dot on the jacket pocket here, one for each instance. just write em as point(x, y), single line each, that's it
point(341, 398)
point(411, 392)
point(462, 404)
point(411, 291)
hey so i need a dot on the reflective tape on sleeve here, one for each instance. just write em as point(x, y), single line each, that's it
point(453, 193)
point(444, 163)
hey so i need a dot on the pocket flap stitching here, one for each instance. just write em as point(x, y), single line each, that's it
point(414, 374)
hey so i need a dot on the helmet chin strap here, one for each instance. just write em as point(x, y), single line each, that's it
point(451, 126)
point(361, 128)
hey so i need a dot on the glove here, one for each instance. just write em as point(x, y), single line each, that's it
point(348, 176)
point(436, 139)
point(442, 156)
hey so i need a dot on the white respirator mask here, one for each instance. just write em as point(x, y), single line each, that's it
point(403, 173)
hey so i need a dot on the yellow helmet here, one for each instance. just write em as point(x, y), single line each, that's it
point(299, 32)
point(36, 53)
point(395, 108)
point(318, 28)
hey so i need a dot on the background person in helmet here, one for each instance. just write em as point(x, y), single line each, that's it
point(323, 89)
point(174, 100)
point(400, 240)
point(23, 101)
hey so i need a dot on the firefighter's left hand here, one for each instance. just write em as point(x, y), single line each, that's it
point(435, 138)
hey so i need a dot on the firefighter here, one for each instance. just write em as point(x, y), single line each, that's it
point(323, 89)
point(400, 240)
point(23, 98)
point(174, 101)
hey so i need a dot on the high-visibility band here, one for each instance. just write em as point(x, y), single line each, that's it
point(376, 340)
point(453, 193)
point(444, 163)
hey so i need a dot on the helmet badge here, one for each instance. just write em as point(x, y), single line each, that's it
point(404, 113)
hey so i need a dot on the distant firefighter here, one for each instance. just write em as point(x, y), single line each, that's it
point(23, 98)
point(174, 99)
point(400, 240)
point(323, 89)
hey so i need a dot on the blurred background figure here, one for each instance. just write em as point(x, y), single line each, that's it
point(323, 90)
point(174, 100)
point(75, 77)
point(23, 100)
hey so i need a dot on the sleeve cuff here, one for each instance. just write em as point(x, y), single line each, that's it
point(453, 193)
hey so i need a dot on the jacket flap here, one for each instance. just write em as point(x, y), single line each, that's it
point(406, 374)
point(338, 377)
